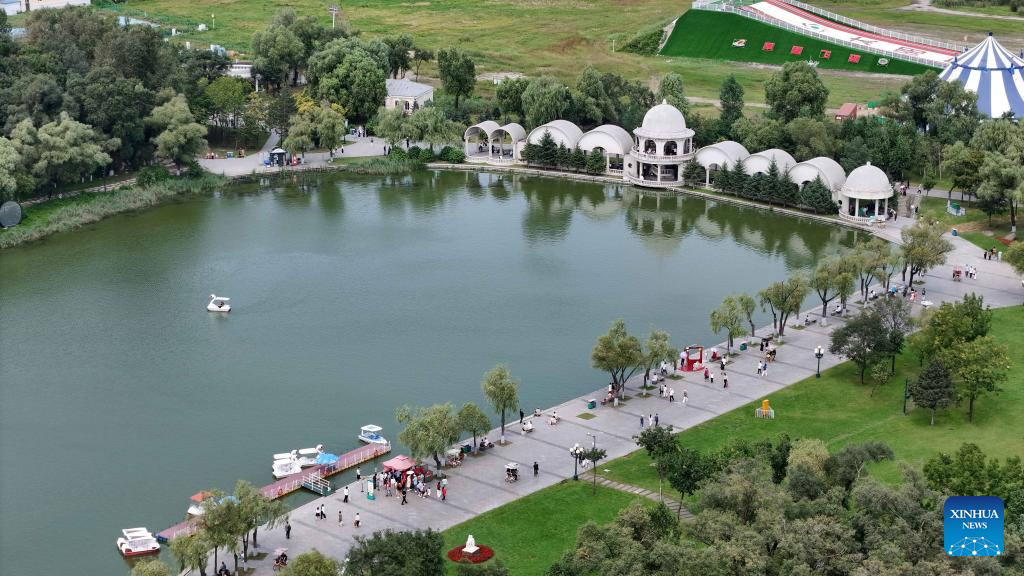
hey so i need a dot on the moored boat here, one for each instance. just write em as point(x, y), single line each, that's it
point(218, 304)
point(137, 542)
point(371, 434)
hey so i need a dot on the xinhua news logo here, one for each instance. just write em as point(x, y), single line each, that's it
point(974, 526)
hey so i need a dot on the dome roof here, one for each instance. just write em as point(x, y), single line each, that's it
point(664, 121)
point(867, 182)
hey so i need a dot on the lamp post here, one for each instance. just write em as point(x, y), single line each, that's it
point(818, 353)
point(575, 453)
point(214, 18)
point(334, 14)
point(593, 462)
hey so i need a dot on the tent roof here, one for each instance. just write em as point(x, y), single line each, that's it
point(400, 463)
point(994, 73)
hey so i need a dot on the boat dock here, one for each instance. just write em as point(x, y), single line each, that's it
point(313, 478)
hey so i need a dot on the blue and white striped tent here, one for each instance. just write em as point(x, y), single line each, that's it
point(995, 74)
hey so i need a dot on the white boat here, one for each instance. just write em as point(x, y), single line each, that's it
point(288, 463)
point(285, 467)
point(136, 542)
point(371, 434)
point(218, 304)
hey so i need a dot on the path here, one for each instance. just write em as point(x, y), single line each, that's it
point(629, 488)
point(926, 6)
point(478, 484)
point(355, 148)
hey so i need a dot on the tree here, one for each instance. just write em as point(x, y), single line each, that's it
point(657, 349)
point(578, 159)
point(1015, 256)
point(978, 366)
point(660, 444)
point(618, 353)
point(116, 106)
point(227, 96)
point(544, 100)
point(330, 125)
point(10, 162)
point(795, 91)
point(590, 102)
point(595, 455)
point(828, 281)
point(510, 96)
point(502, 392)
point(473, 420)
point(351, 73)
point(924, 247)
point(62, 151)
point(300, 135)
point(222, 523)
point(280, 111)
point(671, 90)
point(687, 469)
point(933, 388)
point(255, 118)
point(151, 567)
point(192, 552)
point(747, 305)
point(968, 473)
point(428, 431)
point(275, 52)
point(458, 73)
point(895, 316)
point(595, 162)
point(313, 563)
point(1002, 178)
point(731, 98)
point(390, 553)
point(728, 317)
point(180, 137)
point(399, 48)
point(862, 339)
point(432, 127)
point(255, 510)
point(421, 56)
point(952, 323)
point(962, 165)
point(783, 299)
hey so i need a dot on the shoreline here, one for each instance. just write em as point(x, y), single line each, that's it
point(82, 209)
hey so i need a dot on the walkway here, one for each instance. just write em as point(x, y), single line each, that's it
point(355, 148)
point(478, 485)
point(670, 503)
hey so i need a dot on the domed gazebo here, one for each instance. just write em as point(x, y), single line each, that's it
point(860, 195)
point(664, 145)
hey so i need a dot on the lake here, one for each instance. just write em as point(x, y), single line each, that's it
point(121, 396)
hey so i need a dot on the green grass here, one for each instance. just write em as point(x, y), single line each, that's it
point(704, 34)
point(949, 27)
point(983, 241)
point(838, 410)
point(531, 533)
point(586, 416)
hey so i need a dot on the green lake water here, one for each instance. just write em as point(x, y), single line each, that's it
point(120, 396)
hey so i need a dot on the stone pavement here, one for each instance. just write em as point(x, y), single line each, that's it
point(670, 503)
point(354, 148)
point(478, 485)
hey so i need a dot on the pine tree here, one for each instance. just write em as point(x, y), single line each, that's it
point(563, 157)
point(771, 189)
point(547, 154)
point(578, 159)
point(528, 153)
point(721, 179)
point(934, 388)
point(738, 181)
point(595, 162)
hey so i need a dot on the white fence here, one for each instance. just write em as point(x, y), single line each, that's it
point(719, 6)
point(875, 29)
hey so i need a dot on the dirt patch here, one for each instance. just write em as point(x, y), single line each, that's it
point(570, 43)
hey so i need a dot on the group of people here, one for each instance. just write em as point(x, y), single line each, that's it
point(670, 393)
point(653, 421)
point(709, 376)
point(992, 254)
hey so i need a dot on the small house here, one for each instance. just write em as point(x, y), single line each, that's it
point(406, 95)
point(847, 111)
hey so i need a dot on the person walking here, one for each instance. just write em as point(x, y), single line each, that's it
point(521, 415)
point(759, 366)
point(405, 493)
point(725, 380)
point(344, 495)
point(358, 521)
point(764, 371)
point(712, 378)
point(287, 530)
point(641, 421)
point(706, 374)
point(536, 468)
point(359, 479)
point(444, 493)
point(656, 419)
point(671, 395)
point(341, 521)
point(721, 364)
point(685, 397)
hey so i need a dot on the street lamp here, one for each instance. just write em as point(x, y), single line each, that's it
point(594, 461)
point(818, 353)
point(575, 452)
point(334, 13)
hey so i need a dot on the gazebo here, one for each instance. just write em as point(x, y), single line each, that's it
point(994, 73)
point(860, 195)
point(664, 147)
point(717, 156)
point(613, 141)
point(489, 143)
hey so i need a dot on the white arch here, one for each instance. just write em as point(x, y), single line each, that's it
point(716, 156)
point(830, 172)
point(761, 162)
point(486, 128)
point(608, 137)
point(495, 137)
point(562, 131)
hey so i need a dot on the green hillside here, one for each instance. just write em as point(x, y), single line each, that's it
point(704, 34)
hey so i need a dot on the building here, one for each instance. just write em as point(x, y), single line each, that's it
point(865, 194)
point(664, 145)
point(406, 95)
point(828, 170)
point(613, 141)
point(994, 73)
point(847, 111)
point(717, 156)
point(488, 143)
point(12, 7)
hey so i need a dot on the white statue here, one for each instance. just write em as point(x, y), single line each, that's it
point(470, 546)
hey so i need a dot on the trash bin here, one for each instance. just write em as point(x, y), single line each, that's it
point(955, 232)
point(743, 346)
point(592, 403)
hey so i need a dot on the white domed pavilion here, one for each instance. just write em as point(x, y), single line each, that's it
point(664, 145)
point(865, 194)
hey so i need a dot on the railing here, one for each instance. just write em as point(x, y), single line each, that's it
point(874, 29)
point(722, 7)
point(491, 160)
point(659, 157)
point(614, 171)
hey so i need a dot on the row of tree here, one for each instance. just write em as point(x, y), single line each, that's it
point(547, 154)
point(774, 188)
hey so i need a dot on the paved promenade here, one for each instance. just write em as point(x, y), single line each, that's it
point(478, 485)
point(354, 148)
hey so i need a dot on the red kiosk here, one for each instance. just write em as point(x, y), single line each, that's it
point(693, 358)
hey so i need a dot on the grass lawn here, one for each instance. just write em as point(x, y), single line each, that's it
point(838, 410)
point(975, 226)
point(704, 34)
point(535, 37)
point(949, 27)
point(531, 533)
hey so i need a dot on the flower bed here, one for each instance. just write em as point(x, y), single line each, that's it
point(482, 555)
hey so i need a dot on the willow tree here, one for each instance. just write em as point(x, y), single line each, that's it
point(502, 392)
point(428, 431)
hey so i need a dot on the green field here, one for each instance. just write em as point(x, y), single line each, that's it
point(531, 533)
point(838, 410)
point(705, 34)
point(533, 37)
point(949, 27)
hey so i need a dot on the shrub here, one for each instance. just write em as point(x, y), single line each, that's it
point(397, 153)
point(453, 155)
point(151, 175)
point(425, 155)
point(413, 152)
point(644, 42)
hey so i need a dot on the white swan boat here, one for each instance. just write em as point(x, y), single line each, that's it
point(288, 463)
point(371, 434)
point(136, 542)
point(218, 304)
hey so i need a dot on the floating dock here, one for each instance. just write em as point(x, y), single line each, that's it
point(312, 478)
